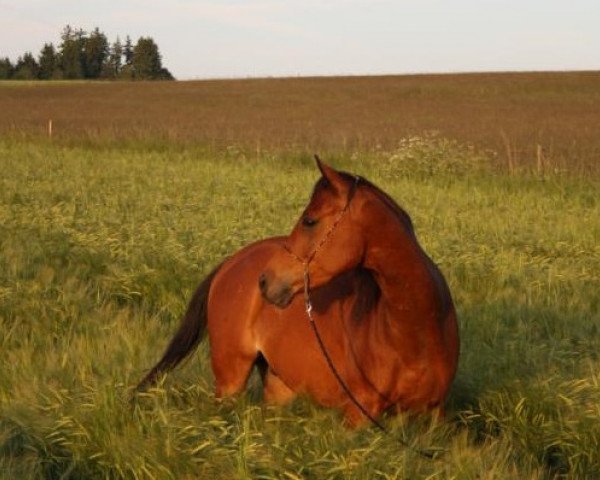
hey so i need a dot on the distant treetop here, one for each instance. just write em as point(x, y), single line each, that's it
point(90, 56)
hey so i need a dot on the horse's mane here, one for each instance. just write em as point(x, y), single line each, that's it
point(405, 220)
point(398, 211)
point(368, 291)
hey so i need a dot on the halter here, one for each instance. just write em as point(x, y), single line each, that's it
point(309, 258)
point(308, 306)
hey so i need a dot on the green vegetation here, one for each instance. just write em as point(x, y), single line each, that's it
point(102, 245)
point(89, 56)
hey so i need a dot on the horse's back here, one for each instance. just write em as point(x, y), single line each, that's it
point(236, 282)
point(234, 298)
point(238, 276)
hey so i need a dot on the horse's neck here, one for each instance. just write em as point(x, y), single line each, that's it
point(402, 271)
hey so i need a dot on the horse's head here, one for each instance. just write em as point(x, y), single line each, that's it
point(328, 239)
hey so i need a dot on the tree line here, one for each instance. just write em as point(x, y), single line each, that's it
point(82, 55)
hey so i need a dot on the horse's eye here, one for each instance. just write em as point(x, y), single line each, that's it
point(309, 222)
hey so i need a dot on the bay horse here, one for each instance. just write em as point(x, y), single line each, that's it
point(382, 307)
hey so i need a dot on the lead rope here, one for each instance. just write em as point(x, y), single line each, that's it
point(308, 305)
point(336, 374)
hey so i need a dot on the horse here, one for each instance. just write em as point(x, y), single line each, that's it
point(352, 263)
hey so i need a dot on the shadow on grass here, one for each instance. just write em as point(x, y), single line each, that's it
point(503, 343)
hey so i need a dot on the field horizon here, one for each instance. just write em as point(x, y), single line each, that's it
point(534, 120)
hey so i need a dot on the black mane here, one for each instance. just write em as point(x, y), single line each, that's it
point(400, 213)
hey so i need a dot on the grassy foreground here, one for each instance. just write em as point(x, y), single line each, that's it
point(100, 251)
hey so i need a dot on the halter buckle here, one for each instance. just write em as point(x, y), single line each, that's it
point(308, 306)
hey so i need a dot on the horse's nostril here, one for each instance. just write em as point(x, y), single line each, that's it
point(262, 282)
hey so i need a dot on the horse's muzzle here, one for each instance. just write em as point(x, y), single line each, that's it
point(276, 292)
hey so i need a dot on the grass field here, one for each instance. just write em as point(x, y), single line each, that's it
point(103, 239)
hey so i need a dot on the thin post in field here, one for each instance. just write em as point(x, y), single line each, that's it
point(509, 151)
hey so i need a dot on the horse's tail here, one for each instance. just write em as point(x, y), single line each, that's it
point(189, 334)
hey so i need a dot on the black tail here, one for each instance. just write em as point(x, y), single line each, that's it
point(189, 334)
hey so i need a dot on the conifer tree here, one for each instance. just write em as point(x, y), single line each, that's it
point(71, 53)
point(6, 68)
point(27, 68)
point(116, 56)
point(95, 52)
point(48, 62)
point(128, 50)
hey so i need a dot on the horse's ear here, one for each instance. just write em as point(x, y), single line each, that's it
point(331, 175)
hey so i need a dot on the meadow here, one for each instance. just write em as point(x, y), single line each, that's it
point(537, 121)
point(106, 229)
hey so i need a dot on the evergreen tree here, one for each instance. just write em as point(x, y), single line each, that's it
point(112, 66)
point(116, 56)
point(147, 64)
point(128, 51)
point(48, 62)
point(71, 53)
point(6, 68)
point(95, 52)
point(27, 68)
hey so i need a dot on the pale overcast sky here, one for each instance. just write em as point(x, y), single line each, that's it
point(240, 38)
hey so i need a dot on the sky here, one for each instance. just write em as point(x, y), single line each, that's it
point(258, 38)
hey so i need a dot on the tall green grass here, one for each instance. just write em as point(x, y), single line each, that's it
point(102, 247)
